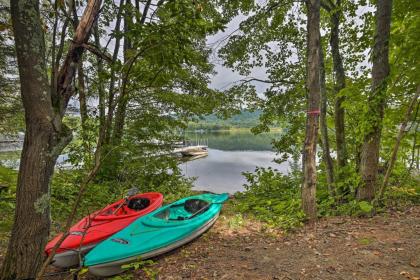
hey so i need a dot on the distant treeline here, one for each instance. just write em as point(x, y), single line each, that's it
point(246, 119)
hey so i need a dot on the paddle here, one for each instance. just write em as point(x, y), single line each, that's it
point(130, 193)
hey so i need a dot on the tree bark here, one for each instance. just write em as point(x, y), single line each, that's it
point(82, 95)
point(123, 98)
point(31, 222)
point(400, 135)
point(329, 166)
point(45, 137)
point(101, 90)
point(65, 76)
point(413, 149)
point(376, 102)
point(71, 216)
point(80, 81)
point(111, 106)
point(340, 83)
point(312, 119)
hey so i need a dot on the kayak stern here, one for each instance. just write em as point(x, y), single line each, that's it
point(70, 258)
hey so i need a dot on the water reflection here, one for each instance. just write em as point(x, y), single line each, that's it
point(234, 140)
point(230, 154)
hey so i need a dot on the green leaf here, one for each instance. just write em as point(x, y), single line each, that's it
point(365, 206)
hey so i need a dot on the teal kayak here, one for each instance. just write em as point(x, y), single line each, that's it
point(161, 231)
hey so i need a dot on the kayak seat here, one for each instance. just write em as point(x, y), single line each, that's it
point(138, 203)
point(187, 210)
point(164, 215)
point(193, 206)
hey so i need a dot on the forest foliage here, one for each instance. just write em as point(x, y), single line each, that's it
point(141, 78)
point(174, 77)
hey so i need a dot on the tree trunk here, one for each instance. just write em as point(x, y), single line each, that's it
point(376, 103)
point(101, 91)
point(111, 105)
point(312, 119)
point(123, 98)
point(340, 83)
point(80, 81)
point(32, 217)
point(329, 166)
point(413, 149)
point(82, 95)
point(397, 144)
point(45, 137)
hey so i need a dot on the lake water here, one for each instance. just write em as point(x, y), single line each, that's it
point(230, 154)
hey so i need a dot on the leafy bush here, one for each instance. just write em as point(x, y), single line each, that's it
point(272, 197)
point(65, 187)
point(353, 208)
point(8, 179)
point(402, 195)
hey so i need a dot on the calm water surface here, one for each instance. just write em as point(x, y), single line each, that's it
point(230, 154)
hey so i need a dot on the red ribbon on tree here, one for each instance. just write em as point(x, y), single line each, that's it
point(314, 112)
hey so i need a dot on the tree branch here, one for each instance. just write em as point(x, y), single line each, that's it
point(281, 81)
point(65, 76)
point(96, 51)
point(400, 135)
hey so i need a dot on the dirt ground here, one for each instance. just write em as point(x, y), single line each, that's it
point(383, 247)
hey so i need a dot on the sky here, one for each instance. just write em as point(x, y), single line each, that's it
point(225, 77)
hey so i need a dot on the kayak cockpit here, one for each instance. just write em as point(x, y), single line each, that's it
point(124, 208)
point(184, 211)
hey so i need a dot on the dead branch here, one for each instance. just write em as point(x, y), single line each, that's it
point(96, 51)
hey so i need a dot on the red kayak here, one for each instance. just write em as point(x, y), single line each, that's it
point(92, 229)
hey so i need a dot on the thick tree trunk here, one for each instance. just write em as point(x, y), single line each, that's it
point(400, 135)
point(340, 83)
point(45, 137)
point(329, 166)
point(40, 150)
point(312, 119)
point(376, 103)
point(32, 216)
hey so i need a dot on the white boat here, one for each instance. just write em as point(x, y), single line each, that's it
point(194, 150)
